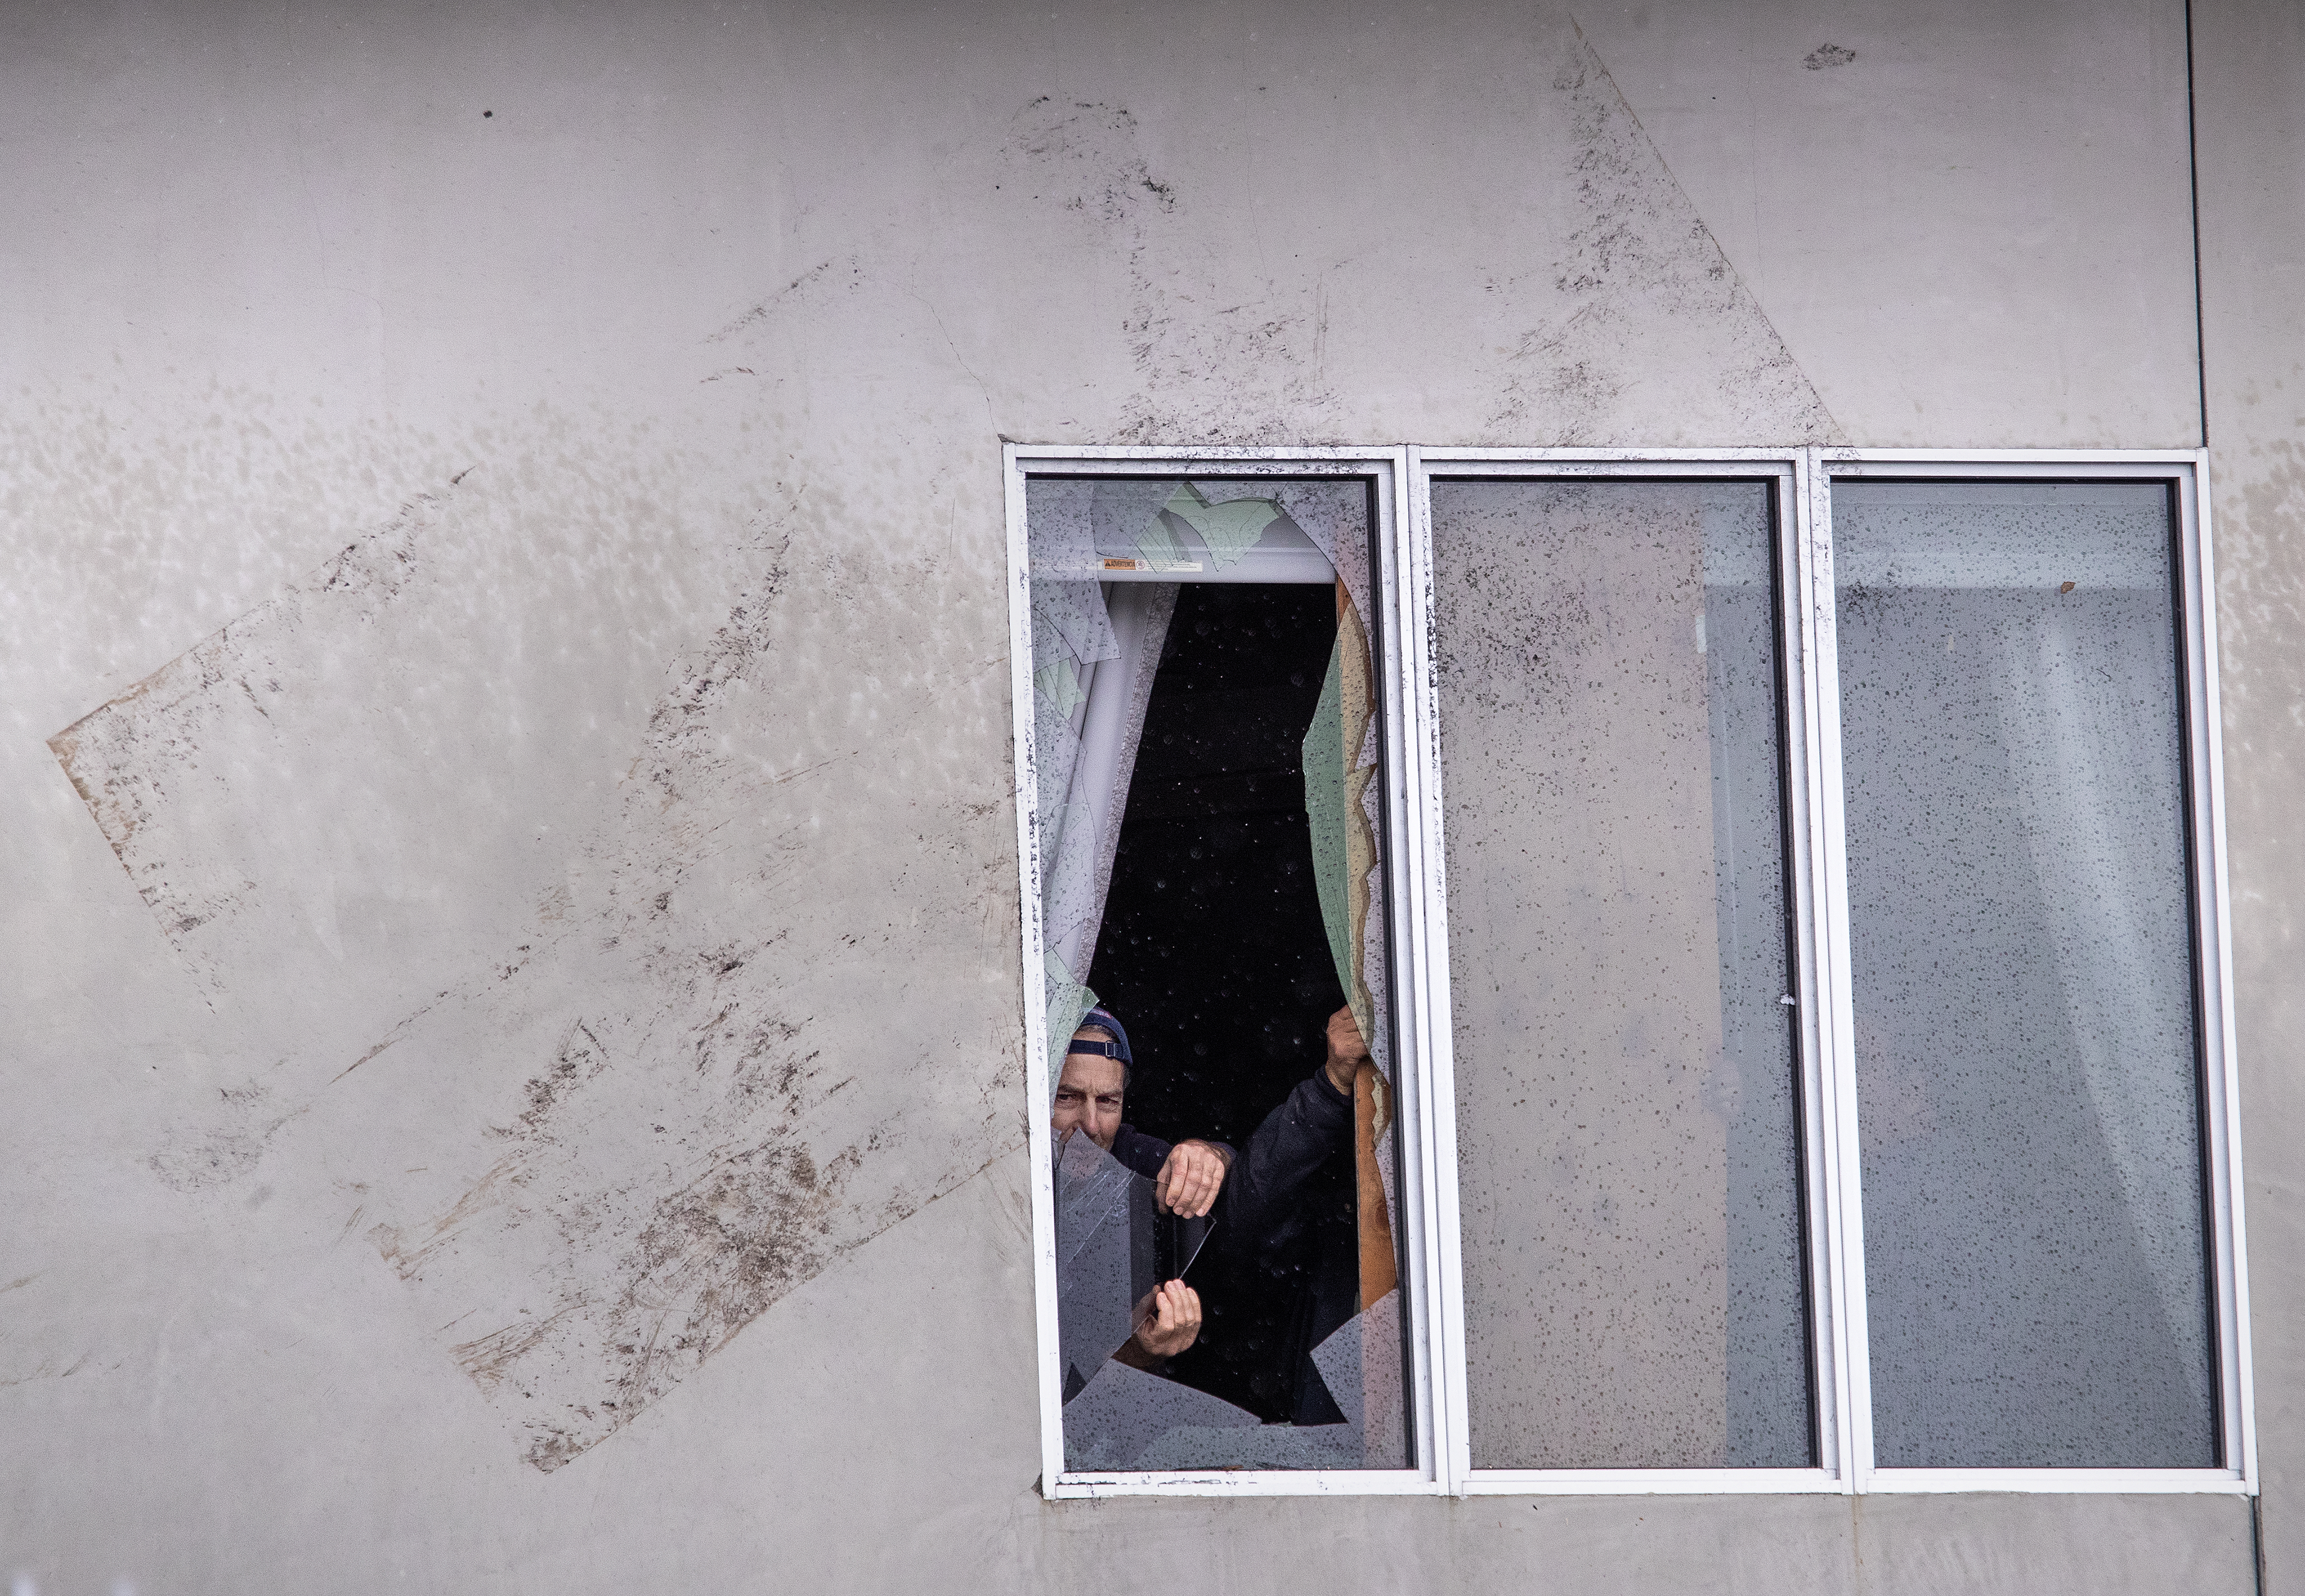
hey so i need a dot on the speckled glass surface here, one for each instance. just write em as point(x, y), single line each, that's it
point(2026, 1067)
point(1626, 1124)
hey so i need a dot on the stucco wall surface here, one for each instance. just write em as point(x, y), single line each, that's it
point(513, 1061)
point(2251, 62)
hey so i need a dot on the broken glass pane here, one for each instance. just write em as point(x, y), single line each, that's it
point(1209, 818)
point(1096, 1200)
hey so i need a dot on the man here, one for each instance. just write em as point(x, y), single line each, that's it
point(1289, 1269)
point(1186, 1176)
point(1168, 1322)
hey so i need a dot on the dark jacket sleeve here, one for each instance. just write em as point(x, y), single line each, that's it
point(1143, 1155)
point(1270, 1181)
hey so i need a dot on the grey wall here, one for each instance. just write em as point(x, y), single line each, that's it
point(2251, 61)
point(503, 654)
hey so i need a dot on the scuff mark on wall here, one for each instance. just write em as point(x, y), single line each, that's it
point(692, 1142)
point(198, 1157)
point(1217, 356)
point(848, 273)
point(395, 743)
point(1640, 257)
point(49, 1371)
point(702, 1263)
point(1605, 290)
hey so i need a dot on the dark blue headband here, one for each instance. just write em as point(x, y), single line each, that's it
point(1102, 1019)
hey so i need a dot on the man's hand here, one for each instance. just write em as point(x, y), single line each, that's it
point(1347, 1051)
point(1168, 1321)
point(1189, 1178)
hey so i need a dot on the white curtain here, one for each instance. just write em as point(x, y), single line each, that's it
point(1096, 647)
point(2088, 722)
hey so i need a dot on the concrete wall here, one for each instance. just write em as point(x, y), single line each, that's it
point(2251, 103)
point(504, 759)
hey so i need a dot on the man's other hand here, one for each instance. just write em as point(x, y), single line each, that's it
point(1169, 1320)
point(1189, 1179)
point(1347, 1051)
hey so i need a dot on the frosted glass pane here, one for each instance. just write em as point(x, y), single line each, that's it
point(1626, 1122)
point(2026, 1067)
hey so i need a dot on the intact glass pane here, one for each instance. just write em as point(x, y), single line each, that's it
point(2027, 1065)
point(1627, 1136)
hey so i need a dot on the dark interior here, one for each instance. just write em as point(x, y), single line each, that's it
point(1213, 951)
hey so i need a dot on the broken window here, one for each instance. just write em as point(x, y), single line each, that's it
point(1209, 817)
point(1777, 896)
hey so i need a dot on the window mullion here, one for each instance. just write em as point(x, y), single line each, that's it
point(1424, 901)
point(2213, 934)
point(1047, 1362)
point(1846, 1397)
point(1428, 1141)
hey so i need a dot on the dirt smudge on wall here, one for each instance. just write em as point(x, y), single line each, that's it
point(695, 1132)
point(1639, 261)
point(224, 1147)
point(139, 757)
point(685, 1084)
point(1217, 355)
point(1254, 308)
point(703, 1262)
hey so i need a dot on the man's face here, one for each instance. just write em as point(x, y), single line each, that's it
point(1088, 1097)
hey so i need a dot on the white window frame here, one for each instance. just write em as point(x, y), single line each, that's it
point(1417, 903)
point(1826, 1178)
point(2186, 470)
point(1400, 660)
